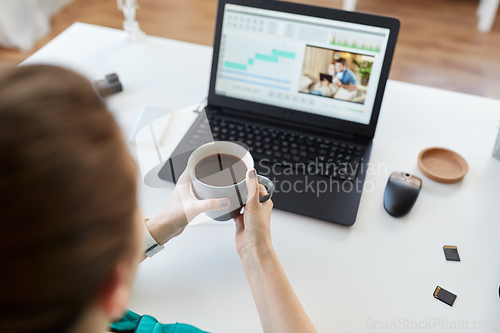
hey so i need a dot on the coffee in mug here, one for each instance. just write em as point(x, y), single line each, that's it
point(218, 170)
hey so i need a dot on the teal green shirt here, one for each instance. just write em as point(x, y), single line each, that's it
point(133, 323)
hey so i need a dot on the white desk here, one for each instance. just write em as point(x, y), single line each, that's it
point(349, 279)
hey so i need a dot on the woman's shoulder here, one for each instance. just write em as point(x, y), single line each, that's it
point(131, 322)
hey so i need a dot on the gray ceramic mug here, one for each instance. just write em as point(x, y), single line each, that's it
point(237, 193)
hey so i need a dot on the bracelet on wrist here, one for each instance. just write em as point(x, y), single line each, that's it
point(150, 247)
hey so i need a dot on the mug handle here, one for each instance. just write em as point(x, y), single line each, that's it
point(269, 185)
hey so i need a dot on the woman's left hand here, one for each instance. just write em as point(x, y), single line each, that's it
point(181, 208)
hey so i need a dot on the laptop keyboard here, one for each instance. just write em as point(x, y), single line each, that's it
point(307, 153)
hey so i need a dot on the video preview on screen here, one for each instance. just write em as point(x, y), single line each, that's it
point(335, 74)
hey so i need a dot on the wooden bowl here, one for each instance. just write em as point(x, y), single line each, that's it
point(442, 165)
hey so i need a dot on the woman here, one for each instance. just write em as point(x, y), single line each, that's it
point(324, 87)
point(71, 231)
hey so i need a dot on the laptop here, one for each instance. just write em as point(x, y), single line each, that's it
point(311, 138)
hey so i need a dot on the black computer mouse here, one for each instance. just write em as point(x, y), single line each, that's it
point(401, 193)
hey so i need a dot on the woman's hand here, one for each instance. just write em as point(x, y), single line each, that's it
point(278, 307)
point(253, 226)
point(181, 208)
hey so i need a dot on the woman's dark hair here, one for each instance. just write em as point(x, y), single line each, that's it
point(67, 198)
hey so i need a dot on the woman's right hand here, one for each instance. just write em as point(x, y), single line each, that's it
point(278, 306)
point(253, 230)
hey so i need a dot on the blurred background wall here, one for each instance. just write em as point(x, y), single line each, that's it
point(439, 44)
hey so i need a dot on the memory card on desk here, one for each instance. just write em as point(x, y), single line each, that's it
point(451, 253)
point(444, 296)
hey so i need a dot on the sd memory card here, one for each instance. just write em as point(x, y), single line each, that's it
point(451, 253)
point(444, 296)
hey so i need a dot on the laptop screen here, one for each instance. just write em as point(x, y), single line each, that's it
point(325, 67)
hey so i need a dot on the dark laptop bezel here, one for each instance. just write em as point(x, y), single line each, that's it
point(300, 117)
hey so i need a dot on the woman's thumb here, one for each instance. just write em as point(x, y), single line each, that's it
point(252, 187)
point(208, 205)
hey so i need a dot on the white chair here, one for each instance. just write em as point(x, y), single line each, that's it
point(23, 22)
point(349, 5)
point(486, 12)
